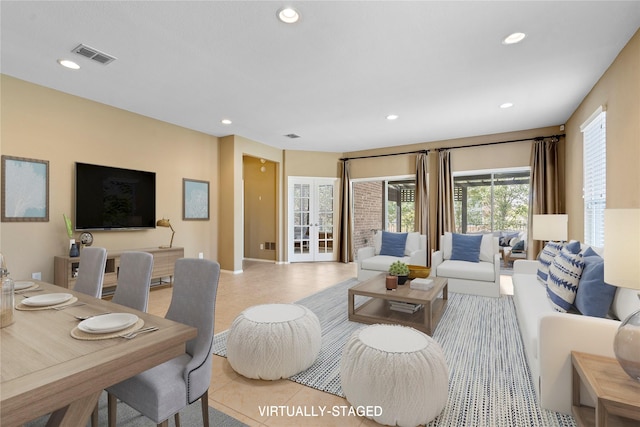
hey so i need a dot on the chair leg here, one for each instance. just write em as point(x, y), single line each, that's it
point(204, 399)
point(112, 409)
point(94, 417)
point(177, 419)
point(165, 423)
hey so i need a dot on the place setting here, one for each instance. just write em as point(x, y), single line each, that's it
point(21, 286)
point(47, 301)
point(110, 325)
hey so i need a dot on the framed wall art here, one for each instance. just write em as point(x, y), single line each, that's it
point(195, 201)
point(25, 190)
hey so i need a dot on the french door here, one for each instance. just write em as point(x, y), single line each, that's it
point(312, 207)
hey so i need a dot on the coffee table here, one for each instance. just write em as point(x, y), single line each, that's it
point(377, 309)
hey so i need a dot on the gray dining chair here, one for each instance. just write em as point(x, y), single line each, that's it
point(132, 290)
point(164, 390)
point(134, 280)
point(91, 271)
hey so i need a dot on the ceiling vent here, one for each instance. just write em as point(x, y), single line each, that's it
point(93, 54)
point(292, 135)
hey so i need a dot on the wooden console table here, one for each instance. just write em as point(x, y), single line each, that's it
point(65, 268)
point(617, 396)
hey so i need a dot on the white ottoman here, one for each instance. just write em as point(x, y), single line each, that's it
point(398, 369)
point(273, 341)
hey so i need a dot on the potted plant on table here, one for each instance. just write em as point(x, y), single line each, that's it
point(400, 269)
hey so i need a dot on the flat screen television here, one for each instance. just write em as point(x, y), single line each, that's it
point(109, 198)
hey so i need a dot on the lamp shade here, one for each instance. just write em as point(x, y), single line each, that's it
point(622, 247)
point(550, 227)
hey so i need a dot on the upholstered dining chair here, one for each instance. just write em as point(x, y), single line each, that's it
point(164, 390)
point(91, 271)
point(132, 290)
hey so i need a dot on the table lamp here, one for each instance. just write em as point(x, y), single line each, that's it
point(165, 223)
point(622, 268)
point(550, 227)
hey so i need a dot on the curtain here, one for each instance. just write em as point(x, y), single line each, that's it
point(346, 216)
point(545, 185)
point(445, 219)
point(422, 201)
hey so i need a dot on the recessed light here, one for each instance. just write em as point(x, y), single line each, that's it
point(288, 15)
point(514, 38)
point(506, 105)
point(226, 121)
point(392, 117)
point(68, 64)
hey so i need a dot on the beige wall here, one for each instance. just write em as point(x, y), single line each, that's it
point(618, 91)
point(45, 124)
point(260, 208)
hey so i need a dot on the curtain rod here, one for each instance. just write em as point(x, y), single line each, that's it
point(537, 138)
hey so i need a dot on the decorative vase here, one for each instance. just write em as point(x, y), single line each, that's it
point(626, 345)
point(392, 282)
point(74, 251)
point(402, 279)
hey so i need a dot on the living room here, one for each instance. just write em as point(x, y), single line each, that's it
point(46, 124)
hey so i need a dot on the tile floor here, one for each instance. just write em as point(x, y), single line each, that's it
point(246, 399)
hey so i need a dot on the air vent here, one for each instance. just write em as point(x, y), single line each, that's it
point(292, 135)
point(94, 54)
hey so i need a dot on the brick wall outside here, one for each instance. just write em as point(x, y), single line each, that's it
point(367, 212)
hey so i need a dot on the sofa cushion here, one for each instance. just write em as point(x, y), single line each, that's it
point(487, 250)
point(413, 243)
point(466, 247)
point(594, 296)
point(382, 262)
point(482, 271)
point(505, 238)
point(545, 259)
point(393, 244)
point(563, 280)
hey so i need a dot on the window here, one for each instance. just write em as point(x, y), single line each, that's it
point(492, 201)
point(594, 134)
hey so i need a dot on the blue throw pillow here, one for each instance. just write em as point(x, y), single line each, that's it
point(594, 296)
point(564, 277)
point(466, 247)
point(393, 244)
point(518, 247)
point(545, 259)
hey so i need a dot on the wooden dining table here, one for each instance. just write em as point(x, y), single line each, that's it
point(44, 370)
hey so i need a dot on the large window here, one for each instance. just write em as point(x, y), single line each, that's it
point(492, 201)
point(594, 133)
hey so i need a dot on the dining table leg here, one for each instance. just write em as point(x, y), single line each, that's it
point(76, 413)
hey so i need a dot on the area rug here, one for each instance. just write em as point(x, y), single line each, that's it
point(129, 417)
point(489, 380)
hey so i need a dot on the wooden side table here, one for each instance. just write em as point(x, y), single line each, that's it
point(617, 396)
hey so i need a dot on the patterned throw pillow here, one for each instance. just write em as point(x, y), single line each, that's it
point(564, 278)
point(545, 258)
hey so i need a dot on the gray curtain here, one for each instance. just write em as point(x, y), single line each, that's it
point(545, 184)
point(422, 201)
point(346, 216)
point(445, 219)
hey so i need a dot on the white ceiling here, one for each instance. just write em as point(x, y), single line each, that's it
point(333, 77)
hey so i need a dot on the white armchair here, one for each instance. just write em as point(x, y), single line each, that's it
point(371, 262)
point(478, 278)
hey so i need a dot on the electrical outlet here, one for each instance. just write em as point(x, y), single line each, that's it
point(200, 255)
point(261, 246)
point(36, 276)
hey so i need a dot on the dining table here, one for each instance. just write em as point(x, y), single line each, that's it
point(48, 366)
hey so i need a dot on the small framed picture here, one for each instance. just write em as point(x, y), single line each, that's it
point(25, 190)
point(195, 201)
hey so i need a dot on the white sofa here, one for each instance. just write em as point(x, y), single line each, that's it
point(550, 336)
point(371, 263)
point(478, 278)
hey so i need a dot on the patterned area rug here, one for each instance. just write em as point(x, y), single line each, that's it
point(489, 380)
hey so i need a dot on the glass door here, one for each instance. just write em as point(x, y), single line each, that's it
point(312, 205)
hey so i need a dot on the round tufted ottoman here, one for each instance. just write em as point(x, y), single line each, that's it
point(398, 369)
point(273, 341)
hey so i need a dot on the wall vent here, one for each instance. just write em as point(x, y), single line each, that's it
point(93, 54)
point(292, 135)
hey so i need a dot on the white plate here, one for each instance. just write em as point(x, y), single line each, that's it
point(21, 284)
point(46, 299)
point(107, 323)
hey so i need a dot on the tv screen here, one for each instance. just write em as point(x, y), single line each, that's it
point(109, 198)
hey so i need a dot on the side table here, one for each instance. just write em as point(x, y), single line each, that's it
point(617, 396)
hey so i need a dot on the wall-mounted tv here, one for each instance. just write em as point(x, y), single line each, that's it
point(109, 198)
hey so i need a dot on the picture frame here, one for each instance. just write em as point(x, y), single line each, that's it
point(195, 200)
point(25, 189)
